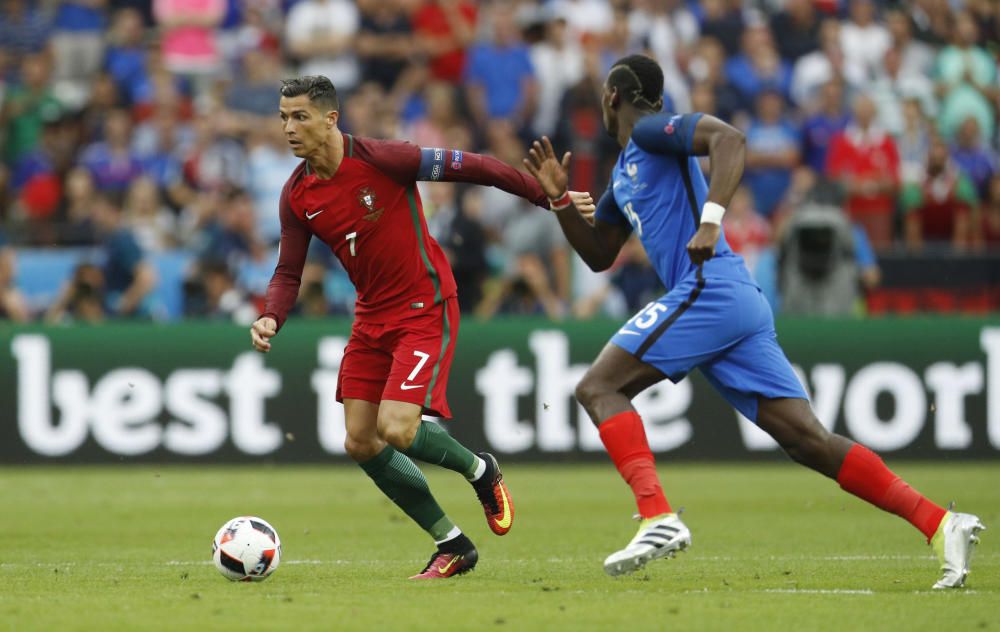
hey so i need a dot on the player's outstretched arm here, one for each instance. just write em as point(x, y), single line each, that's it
point(597, 242)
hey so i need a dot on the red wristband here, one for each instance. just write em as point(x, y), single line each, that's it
point(562, 202)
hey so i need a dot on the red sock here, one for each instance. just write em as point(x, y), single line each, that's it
point(865, 475)
point(625, 439)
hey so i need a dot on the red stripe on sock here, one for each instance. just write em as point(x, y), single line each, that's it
point(866, 476)
point(625, 439)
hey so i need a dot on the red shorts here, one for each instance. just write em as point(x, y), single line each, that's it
point(405, 361)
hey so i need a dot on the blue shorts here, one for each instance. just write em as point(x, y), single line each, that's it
point(725, 328)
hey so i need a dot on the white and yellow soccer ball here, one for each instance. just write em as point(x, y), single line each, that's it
point(246, 549)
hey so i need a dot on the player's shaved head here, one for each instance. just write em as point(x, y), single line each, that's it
point(318, 88)
point(639, 81)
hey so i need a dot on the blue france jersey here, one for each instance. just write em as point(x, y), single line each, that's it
point(658, 189)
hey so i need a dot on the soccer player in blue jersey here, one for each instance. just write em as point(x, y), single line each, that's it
point(713, 317)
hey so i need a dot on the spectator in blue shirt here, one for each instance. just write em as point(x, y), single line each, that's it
point(112, 161)
point(974, 157)
point(125, 59)
point(820, 128)
point(772, 152)
point(23, 28)
point(500, 78)
point(758, 67)
point(128, 278)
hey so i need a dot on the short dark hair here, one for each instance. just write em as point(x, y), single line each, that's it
point(318, 88)
point(640, 80)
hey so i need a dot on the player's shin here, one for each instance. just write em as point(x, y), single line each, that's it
point(866, 476)
point(432, 444)
point(625, 439)
point(404, 484)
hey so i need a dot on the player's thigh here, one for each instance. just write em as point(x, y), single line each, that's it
point(686, 327)
point(421, 359)
point(755, 370)
point(364, 369)
point(361, 418)
point(617, 371)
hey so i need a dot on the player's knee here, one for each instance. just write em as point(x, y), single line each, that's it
point(590, 390)
point(363, 450)
point(396, 430)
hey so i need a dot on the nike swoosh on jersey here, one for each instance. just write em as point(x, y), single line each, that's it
point(409, 387)
point(308, 216)
point(629, 332)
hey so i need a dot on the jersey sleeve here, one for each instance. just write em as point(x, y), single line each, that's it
point(406, 163)
point(455, 165)
point(608, 211)
point(666, 133)
point(283, 290)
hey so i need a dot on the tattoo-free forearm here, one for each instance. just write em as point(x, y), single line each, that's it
point(727, 152)
point(585, 239)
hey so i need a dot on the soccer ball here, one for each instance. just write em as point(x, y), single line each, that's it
point(246, 549)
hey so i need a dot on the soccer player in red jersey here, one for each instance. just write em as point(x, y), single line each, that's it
point(359, 196)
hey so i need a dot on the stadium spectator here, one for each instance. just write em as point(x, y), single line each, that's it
point(24, 28)
point(268, 163)
point(320, 35)
point(445, 29)
point(917, 57)
point(213, 162)
point(126, 56)
point(81, 299)
point(25, 105)
point(798, 28)
point(385, 42)
point(77, 209)
point(558, 64)
point(814, 70)
point(747, 232)
point(722, 20)
point(818, 130)
point(772, 151)
point(891, 87)
point(160, 143)
point(151, 222)
point(251, 98)
point(974, 157)
point(939, 209)
point(758, 66)
point(669, 32)
point(129, 278)
point(456, 227)
point(586, 18)
point(188, 37)
point(500, 80)
point(989, 231)
point(965, 73)
point(707, 66)
point(112, 161)
point(12, 304)
point(211, 293)
point(865, 161)
point(863, 39)
point(913, 142)
point(77, 43)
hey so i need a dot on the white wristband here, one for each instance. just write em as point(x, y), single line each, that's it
point(712, 213)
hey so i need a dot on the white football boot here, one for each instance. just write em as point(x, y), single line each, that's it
point(954, 543)
point(658, 537)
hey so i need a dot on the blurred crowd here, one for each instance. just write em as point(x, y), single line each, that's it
point(132, 131)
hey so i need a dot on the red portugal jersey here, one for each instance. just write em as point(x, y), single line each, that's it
point(370, 215)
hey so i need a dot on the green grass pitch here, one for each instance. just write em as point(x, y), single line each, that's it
point(775, 548)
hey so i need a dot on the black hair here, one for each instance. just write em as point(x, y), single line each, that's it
point(639, 79)
point(318, 88)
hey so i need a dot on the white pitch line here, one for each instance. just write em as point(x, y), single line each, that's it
point(818, 591)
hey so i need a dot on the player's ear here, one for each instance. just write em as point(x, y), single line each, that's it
point(616, 98)
point(331, 119)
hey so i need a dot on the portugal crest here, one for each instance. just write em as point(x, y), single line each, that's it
point(367, 200)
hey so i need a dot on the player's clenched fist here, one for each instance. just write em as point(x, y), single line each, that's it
point(701, 248)
point(261, 333)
